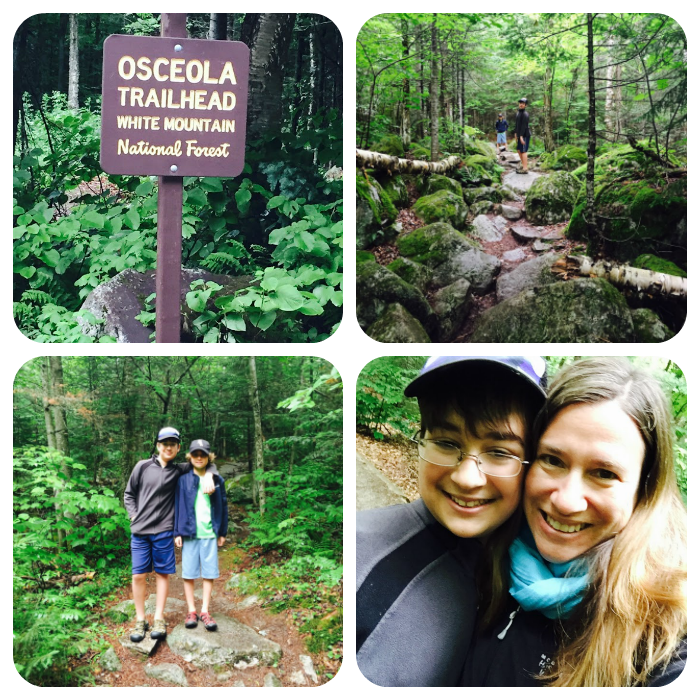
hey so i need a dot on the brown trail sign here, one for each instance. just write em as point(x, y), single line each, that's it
point(173, 107)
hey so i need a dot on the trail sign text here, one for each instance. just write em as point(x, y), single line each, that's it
point(173, 106)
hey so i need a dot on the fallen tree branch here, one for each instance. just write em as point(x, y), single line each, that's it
point(655, 284)
point(648, 152)
point(382, 161)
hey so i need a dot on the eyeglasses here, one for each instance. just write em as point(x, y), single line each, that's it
point(445, 454)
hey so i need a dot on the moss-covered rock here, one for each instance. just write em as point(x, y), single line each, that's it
point(641, 209)
point(364, 256)
point(412, 272)
point(649, 328)
point(394, 187)
point(657, 264)
point(397, 325)
point(481, 207)
point(451, 304)
point(435, 183)
point(442, 206)
point(528, 275)
point(576, 311)
point(374, 210)
point(391, 145)
point(551, 198)
point(474, 176)
point(239, 489)
point(567, 157)
point(481, 148)
point(479, 194)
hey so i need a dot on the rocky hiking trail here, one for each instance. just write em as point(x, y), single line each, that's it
point(502, 230)
point(251, 647)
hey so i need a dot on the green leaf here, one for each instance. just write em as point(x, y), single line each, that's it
point(27, 272)
point(288, 298)
point(187, 231)
point(144, 189)
point(276, 201)
point(212, 336)
point(234, 322)
point(211, 184)
point(196, 197)
point(197, 300)
point(18, 232)
point(133, 220)
point(92, 219)
point(243, 200)
point(50, 257)
point(263, 321)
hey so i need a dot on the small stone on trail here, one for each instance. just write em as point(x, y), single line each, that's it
point(308, 666)
point(514, 255)
point(248, 602)
point(168, 673)
point(145, 647)
point(540, 246)
point(512, 213)
point(109, 661)
point(525, 233)
point(297, 678)
point(271, 681)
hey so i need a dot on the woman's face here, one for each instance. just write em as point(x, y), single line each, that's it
point(582, 487)
point(466, 501)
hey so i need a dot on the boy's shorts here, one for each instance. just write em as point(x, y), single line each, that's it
point(501, 137)
point(523, 147)
point(200, 558)
point(153, 553)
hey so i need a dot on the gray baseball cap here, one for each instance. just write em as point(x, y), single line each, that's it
point(199, 446)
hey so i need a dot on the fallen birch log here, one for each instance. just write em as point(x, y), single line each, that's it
point(622, 276)
point(382, 161)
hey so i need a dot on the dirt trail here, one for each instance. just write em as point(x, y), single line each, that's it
point(522, 241)
point(281, 628)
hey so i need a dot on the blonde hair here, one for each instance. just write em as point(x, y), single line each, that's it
point(635, 613)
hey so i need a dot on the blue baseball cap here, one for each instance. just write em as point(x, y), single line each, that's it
point(168, 433)
point(532, 370)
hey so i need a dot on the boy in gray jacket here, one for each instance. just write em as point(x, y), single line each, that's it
point(149, 499)
point(416, 591)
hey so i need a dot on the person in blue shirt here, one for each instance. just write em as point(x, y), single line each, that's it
point(201, 525)
point(501, 132)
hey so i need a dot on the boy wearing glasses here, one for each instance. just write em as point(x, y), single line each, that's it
point(416, 563)
point(149, 499)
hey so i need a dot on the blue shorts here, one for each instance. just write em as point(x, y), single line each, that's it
point(200, 558)
point(501, 137)
point(523, 147)
point(153, 553)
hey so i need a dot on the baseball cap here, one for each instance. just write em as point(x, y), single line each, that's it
point(523, 99)
point(200, 446)
point(166, 433)
point(531, 370)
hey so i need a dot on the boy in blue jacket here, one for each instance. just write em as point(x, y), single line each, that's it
point(201, 524)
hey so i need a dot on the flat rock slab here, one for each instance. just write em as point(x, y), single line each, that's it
point(168, 673)
point(145, 647)
point(511, 213)
point(526, 234)
point(308, 665)
point(172, 605)
point(520, 183)
point(487, 230)
point(232, 642)
point(515, 255)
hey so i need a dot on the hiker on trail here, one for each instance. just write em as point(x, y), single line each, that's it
point(149, 499)
point(522, 134)
point(501, 131)
point(201, 524)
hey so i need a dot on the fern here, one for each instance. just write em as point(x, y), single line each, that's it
point(235, 259)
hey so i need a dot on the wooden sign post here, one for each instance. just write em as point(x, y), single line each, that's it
point(173, 107)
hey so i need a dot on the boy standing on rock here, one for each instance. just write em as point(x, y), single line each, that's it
point(149, 499)
point(201, 524)
point(522, 134)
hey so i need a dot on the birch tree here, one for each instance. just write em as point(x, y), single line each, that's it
point(73, 61)
point(258, 463)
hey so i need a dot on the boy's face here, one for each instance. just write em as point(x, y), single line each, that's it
point(199, 459)
point(167, 450)
point(466, 501)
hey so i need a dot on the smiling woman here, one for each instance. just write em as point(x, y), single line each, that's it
point(598, 577)
point(634, 535)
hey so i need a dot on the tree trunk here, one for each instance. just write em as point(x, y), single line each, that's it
point(434, 95)
point(73, 62)
point(217, 25)
point(549, 144)
point(382, 161)
point(258, 463)
point(404, 118)
point(655, 284)
point(590, 169)
point(46, 402)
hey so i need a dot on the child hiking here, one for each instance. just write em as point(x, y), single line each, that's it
point(501, 131)
point(522, 134)
point(150, 503)
point(201, 524)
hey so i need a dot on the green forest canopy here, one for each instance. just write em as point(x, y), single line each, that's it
point(483, 63)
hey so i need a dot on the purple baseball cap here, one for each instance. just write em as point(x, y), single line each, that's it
point(532, 370)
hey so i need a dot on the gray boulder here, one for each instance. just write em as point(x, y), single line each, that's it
point(483, 206)
point(239, 489)
point(452, 304)
point(395, 188)
point(576, 311)
point(480, 194)
point(145, 647)
point(649, 328)
point(396, 325)
point(511, 213)
point(374, 211)
point(116, 303)
point(308, 665)
point(520, 184)
point(109, 661)
point(442, 206)
point(168, 673)
point(533, 273)
point(486, 230)
point(515, 255)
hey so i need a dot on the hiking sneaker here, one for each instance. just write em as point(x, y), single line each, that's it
point(191, 620)
point(208, 621)
point(159, 630)
point(139, 631)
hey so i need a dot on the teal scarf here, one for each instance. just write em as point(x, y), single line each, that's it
point(540, 585)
